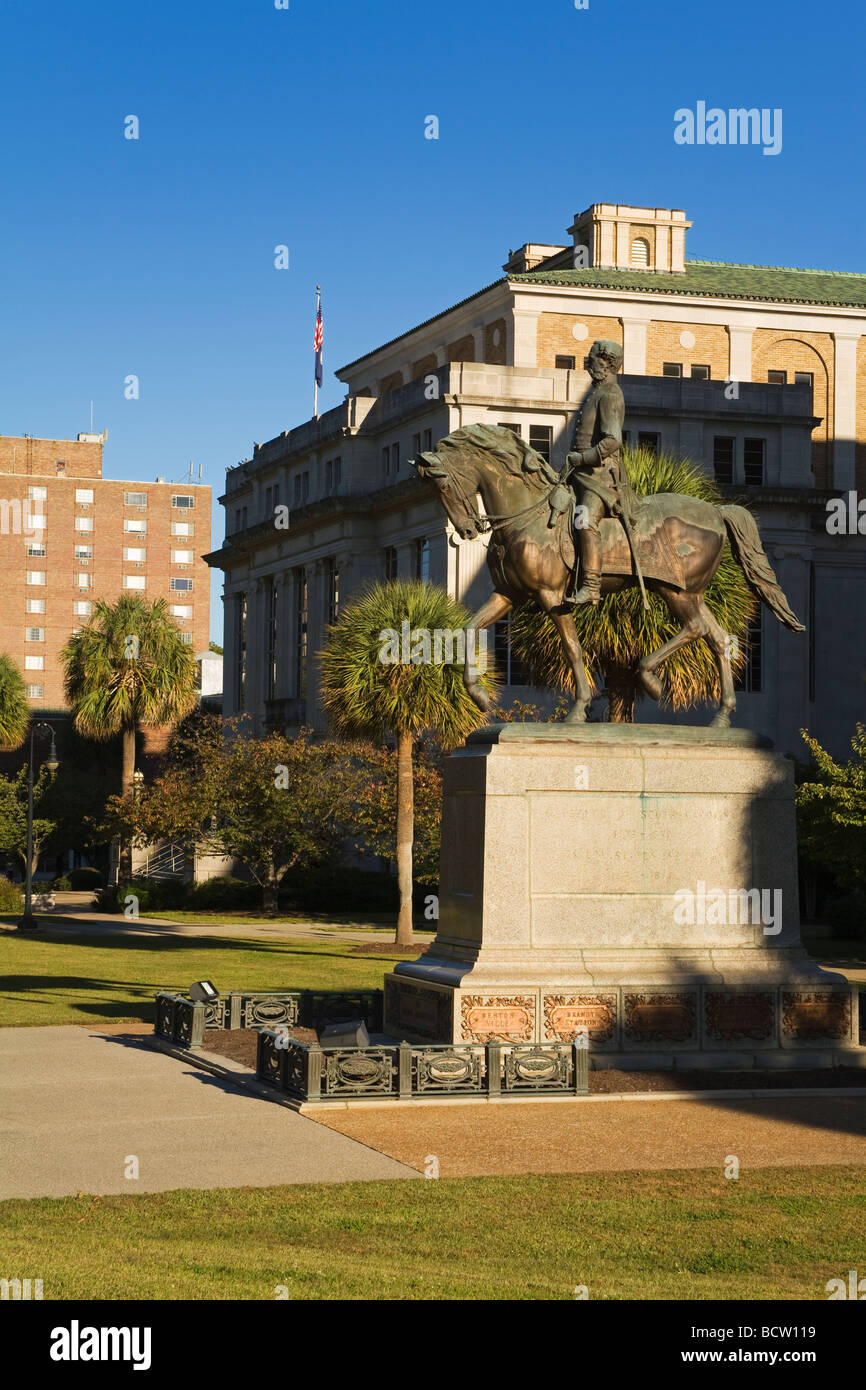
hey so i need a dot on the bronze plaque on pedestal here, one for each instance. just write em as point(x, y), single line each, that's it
point(739, 1016)
point(567, 1016)
point(660, 1018)
point(815, 1015)
point(507, 1018)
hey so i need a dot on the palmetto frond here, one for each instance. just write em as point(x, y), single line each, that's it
point(127, 668)
point(365, 695)
point(620, 631)
point(14, 711)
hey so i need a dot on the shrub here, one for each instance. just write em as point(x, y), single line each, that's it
point(61, 885)
point(215, 893)
point(10, 896)
point(84, 878)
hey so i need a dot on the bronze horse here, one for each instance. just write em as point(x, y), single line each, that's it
point(531, 555)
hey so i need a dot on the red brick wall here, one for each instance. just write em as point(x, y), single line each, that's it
point(31, 456)
point(107, 566)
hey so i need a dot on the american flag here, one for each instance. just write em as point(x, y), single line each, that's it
point(317, 342)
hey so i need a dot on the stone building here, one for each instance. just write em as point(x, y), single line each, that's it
point(757, 372)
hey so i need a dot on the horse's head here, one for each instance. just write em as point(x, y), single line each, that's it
point(452, 493)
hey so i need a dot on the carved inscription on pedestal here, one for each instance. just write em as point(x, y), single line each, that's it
point(739, 1016)
point(569, 1015)
point(813, 1015)
point(505, 1018)
point(660, 1018)
point(416, 1010)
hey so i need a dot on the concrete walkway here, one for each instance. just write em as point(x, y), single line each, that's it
point(75, 1104)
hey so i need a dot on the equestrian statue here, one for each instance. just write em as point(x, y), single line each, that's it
point(666, 543)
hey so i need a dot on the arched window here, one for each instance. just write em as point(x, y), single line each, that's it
point(640, 253)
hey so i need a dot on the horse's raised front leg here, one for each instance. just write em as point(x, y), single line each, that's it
point(563, 619)
point(495, 608)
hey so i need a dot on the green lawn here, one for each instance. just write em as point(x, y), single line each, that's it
point(774, 1233)
point(114, 978)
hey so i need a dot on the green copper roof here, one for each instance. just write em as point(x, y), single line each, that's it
point(720, 280)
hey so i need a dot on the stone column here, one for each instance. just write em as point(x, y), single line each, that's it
point(525, 338)
point(231, 633)
point(740, 352)
point(845, 410)
point(634, 346)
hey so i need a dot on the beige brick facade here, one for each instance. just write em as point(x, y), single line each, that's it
point(803, 352)
point(711, 347)
point(556, 336)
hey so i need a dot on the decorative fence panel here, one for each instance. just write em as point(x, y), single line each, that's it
point(305, 1008)
point(404, 1071)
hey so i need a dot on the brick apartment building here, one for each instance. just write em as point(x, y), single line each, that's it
point(68, 536)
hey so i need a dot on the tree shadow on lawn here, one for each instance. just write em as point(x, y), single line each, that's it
point(167, 944)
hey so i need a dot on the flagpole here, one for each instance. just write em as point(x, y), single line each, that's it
point(315, 372)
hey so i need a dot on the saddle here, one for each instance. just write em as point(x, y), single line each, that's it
point(656, 552)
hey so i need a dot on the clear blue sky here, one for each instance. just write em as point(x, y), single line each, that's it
point(306, 127)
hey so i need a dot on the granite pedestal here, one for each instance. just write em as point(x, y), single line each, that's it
point(599, 881)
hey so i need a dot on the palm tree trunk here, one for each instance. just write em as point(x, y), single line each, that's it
point(621, 697)
point(127, 787)
point(405, 835)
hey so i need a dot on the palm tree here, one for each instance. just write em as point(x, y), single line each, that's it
point(368, 692)
point(619, 632)
point(14, 710)
point(128, 668)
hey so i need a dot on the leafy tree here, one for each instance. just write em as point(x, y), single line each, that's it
point(271, 802)
point(370, 697)
point(617, 633)
point(370, 817)
point(14, 710)
point(128, 668)
point(13, 815)
point(831, 812)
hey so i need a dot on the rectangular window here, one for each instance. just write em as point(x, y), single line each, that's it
point(82, 607)
point(182, 499)
point(182, 557)
point(35, 634)
point(37, 494)
point(541, 440)
point(34, 663)
point(135, 553)
point(36, 605)
point(38, 523)
point(506, 425)
point(187, 528)
point(301, 620)
point(395, 458)
point(723, 459)
point(564, 363)
point(181, 610)
point(386, 460)
point(84, 496)
point(750, 677)
point(137, 528)
point(804, 379)
point(390, 563)
point(186, 638)
point(422, 559)
point(700, 373)
point(297, 489)
point(513, 670)
point(134, 581)
point(181, 585)
point(648, 439)
point(428, 440)
point(84, 552)
point(753, 462)
point(34, 692)
point(84, 523)
point(83, 581)
point(135, 499)
point(35, 576)
point(416, 445)
point(672, 368)
point(777, 378)
point(333, 591)
point(36, 548)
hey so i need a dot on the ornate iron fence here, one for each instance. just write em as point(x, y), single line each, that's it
point(182, 1021)
point(402, 1071)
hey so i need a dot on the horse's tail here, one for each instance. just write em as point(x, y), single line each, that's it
point(746, 545)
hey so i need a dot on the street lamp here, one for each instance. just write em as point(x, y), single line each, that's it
point(28, 921)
